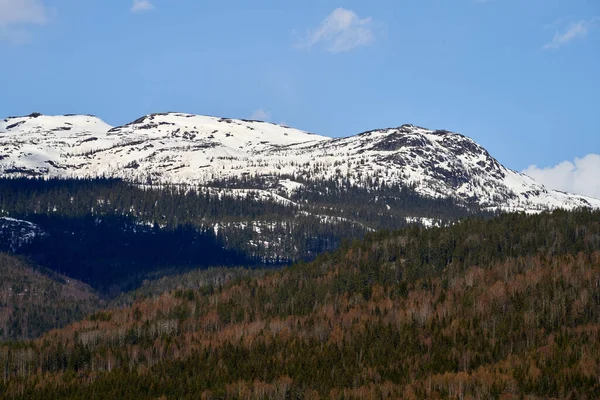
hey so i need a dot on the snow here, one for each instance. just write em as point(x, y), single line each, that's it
point(16, 232)
point(290, 186)
point(424, 221)
point(176, 148)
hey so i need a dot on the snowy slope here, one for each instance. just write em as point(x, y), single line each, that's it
point(15, 233)
point(190, 149)
point(39, 145)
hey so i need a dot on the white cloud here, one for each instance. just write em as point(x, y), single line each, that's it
point(341, 31)
point(13, 12)
point(261, 115)
point(575, 30)
point(581, 176)
point(141, 5)
point(17, 14)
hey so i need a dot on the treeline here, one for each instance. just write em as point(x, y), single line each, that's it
point(298, 225)
point(370, 201)
point(168, 206)
point(501, 308)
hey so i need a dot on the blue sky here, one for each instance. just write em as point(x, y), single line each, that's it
point(521, 77)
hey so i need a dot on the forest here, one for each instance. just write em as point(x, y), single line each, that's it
point(109, 238)
point(505, 307)
point(251, 216)
point(34, 300)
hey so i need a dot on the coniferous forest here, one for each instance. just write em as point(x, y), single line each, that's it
point(112, 234)
point(505, 307)
point(112, 237)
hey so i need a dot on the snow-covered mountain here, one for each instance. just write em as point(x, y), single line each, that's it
point(190, 149)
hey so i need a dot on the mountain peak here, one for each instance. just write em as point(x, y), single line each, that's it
point(194, 149)
point(49, 122)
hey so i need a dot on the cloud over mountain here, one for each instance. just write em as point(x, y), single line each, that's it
point(581, 176)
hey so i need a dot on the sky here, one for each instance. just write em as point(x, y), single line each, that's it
point(520, 77)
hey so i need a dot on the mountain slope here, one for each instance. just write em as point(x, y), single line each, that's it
point(33, 302)
point(16, 233)
point(500, 308)
point(260, 223)
point(189, 149)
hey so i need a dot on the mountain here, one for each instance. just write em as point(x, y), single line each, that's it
point(175, 148)
point(502, 308)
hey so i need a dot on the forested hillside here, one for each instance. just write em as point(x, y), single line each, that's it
point(112, 234)
point(500, 308)
point(34, 301)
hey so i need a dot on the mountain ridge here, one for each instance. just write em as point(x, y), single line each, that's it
point(178, 148)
